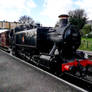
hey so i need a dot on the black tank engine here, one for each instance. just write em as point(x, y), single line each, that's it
point(53, 48)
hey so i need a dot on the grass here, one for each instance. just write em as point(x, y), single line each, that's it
point(86, 44)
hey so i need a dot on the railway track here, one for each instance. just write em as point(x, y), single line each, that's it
point(83, 83)
point(80, 82)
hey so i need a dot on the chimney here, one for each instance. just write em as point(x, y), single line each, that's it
point(63, 19)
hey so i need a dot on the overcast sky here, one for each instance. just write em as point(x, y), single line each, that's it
point(44, 11)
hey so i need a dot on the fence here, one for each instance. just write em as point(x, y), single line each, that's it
point(86, 45)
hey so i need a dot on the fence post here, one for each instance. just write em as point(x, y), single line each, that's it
point(87, 44)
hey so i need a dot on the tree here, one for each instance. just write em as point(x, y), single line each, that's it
point(77, 17)
point(26, 20)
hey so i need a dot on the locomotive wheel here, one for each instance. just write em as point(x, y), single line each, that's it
point(55, 66)
point(81, 71)
point(35, 60)
point(14, 51)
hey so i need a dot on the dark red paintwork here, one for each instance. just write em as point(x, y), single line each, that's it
point(4, 39)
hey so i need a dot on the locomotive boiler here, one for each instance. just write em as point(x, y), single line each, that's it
point(52, 48)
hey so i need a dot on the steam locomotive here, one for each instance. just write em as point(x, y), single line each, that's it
point(52, 48)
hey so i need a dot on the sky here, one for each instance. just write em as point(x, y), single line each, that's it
point(45, 12)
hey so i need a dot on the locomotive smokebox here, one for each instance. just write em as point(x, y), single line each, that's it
point(63, 19)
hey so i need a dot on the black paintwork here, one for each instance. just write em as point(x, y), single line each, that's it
point(67, 39)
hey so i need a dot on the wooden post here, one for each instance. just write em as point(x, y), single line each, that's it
point(87, 44)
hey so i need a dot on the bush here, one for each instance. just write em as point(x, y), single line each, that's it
point(86, 30)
